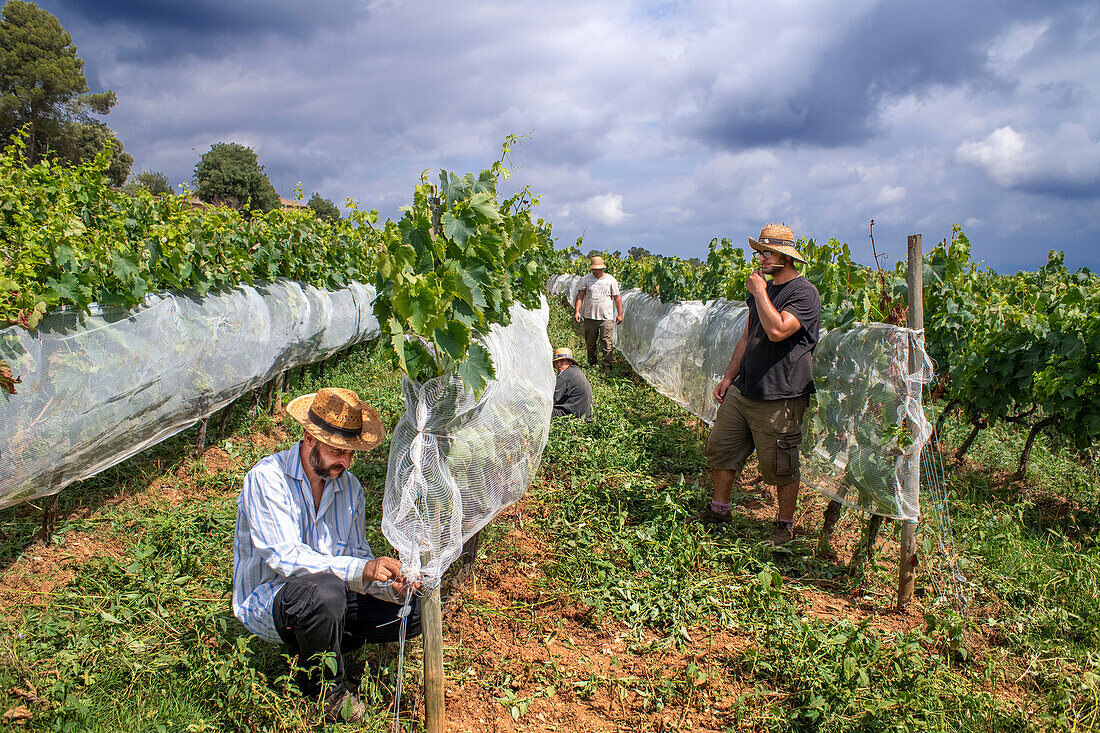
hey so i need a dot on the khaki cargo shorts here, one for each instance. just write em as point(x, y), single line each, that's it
point(773, 428)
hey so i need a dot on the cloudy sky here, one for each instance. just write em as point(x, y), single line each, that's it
point(656, 124)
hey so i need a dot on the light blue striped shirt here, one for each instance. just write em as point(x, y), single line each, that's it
point(280, 536)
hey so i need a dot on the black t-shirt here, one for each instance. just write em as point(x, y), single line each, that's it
point(776, 370)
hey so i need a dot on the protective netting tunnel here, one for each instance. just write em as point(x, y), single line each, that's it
point(863, 426)
point(98, 388)
point(455, 460)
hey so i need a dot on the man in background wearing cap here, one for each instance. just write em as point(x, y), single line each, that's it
point(601, 306)
point(767, 385)
point(572, 392)
point(303, 573)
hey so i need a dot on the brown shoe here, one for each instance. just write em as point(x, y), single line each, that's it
point(345, 706)
point(707, 515)
point(781, 536)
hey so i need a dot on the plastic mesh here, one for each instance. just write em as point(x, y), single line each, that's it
point(100, 388)
point(861, 430)
point(455, 462)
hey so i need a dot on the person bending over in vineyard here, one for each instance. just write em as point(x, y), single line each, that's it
point(572, 392)
point(766, 387)
point(303, 573)
point(600, 305)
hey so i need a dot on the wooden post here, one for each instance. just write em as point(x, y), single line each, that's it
point(907, 553)
point(225, 418)
point(435, 716)
point(49, 518)
point(200, 441)
point(280, 385)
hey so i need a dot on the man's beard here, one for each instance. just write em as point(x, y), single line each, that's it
point(325, 471)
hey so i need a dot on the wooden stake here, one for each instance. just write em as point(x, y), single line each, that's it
point(49, 518)
point(435, 715)
point(907, 552)
point(280, 385)
point(225, 418)
point(200, 442)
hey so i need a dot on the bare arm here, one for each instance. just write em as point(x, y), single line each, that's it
point(619, 308)
point(577, 309)
point(734, 367)
point(776, 325)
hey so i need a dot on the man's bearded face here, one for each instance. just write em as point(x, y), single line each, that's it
point(327, 471)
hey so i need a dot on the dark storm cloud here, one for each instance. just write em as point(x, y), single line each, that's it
point(158, 31)
point(896, 49)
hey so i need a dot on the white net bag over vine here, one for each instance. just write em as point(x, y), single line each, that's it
point(100, 387)
point(863, 426)
point(455, 461)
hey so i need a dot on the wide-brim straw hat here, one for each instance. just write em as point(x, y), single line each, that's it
point(597, 263)
point(777, 238)
point(338, 418)
point(564, 353)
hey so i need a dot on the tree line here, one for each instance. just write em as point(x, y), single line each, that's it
point(45, 101)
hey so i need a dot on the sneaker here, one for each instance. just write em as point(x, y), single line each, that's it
point(782, 535)
point(345, 706)
point(707, 515)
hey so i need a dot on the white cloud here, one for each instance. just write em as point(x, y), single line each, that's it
point(890, 195)
point(1067, 161)
point(607, 209)
point(1014, 44)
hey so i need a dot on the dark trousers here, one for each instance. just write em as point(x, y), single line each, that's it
point(319, 613)
point(597, 339)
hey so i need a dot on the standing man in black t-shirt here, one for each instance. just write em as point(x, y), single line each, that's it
point(767, 385)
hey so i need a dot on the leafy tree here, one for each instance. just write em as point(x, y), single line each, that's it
point(81, 141)
point(42, 84)
point(323, 208)
point(230, 174)
point(154, 182)
point(637, 253)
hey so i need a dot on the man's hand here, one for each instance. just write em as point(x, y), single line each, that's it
point(577, 316)
point(756, 284)
point(382, 570)
point(619, 318)
point(401, 585)
point(721, 388)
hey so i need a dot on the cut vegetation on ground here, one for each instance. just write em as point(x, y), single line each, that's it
point(595, 604)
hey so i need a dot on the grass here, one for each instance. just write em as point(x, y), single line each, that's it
point(143, 617)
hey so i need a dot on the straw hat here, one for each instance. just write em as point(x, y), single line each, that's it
point(777, 238)
point(597, 263)
point(564, 353)
point(338, 418)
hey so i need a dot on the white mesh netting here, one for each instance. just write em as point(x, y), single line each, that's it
point(456, 462)
point(864, 425)
point(98, 388)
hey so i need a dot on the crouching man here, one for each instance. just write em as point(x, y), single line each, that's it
point(572, 392)
point(303, 573)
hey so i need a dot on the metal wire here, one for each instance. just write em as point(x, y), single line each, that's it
point(949, 583)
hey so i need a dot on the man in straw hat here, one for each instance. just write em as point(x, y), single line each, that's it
point(767, 385)
point(303, 573)
point(572, 392)
point(600, 305)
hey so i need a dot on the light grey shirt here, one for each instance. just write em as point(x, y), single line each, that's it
point(599, 297)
